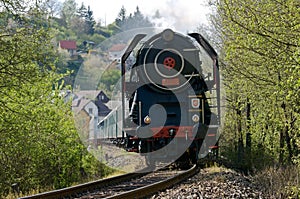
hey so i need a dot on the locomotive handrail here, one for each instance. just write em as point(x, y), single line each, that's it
point(213, 54)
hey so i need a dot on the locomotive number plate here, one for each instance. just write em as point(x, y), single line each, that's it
point(170, 82)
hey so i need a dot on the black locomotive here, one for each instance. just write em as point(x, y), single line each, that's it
point(172, 95)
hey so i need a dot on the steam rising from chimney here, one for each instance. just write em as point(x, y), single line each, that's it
point(180, 15)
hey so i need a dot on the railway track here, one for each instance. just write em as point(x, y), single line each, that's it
point(83, 189)
point(133, 185)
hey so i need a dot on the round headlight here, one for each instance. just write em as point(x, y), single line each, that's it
point(195, 118)
point(147, 120)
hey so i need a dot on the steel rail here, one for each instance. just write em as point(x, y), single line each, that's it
point(158, 186)
point(82, 189)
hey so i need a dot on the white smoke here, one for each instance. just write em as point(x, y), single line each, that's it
point(181, 15)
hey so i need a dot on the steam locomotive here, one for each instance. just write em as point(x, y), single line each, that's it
point(170, 97)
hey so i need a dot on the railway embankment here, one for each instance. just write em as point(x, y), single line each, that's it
point(215, 182)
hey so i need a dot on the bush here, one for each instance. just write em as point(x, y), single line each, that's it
point(280, 182)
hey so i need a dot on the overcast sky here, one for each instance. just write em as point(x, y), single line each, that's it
point(182, 15)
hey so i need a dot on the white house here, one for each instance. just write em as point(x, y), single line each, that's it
point(86, 115)
point(89, 106)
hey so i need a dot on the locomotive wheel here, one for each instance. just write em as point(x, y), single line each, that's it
point(142, 146)
point(184, 162)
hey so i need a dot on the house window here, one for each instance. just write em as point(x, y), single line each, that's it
point(90, 110)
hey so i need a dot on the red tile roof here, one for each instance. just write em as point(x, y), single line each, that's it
point(67, 44)
point(117, 47)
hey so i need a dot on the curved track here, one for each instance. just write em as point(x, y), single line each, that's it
point(136, 185)
point(83, 189)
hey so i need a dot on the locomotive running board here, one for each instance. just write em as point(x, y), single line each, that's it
point(129, 49)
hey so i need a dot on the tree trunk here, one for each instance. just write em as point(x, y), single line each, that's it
point(248, 135)
point(240, 142)
point(281, 145)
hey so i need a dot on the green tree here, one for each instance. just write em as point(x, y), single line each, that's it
point(39, 144)
point(109, 78)
point(53, 7)
point(261, 48)
point(82, 10)
point(83, 22)
point(90, 21)
point(68, 11)
point(120, 20)
point(90, 72)
point(137, 20)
